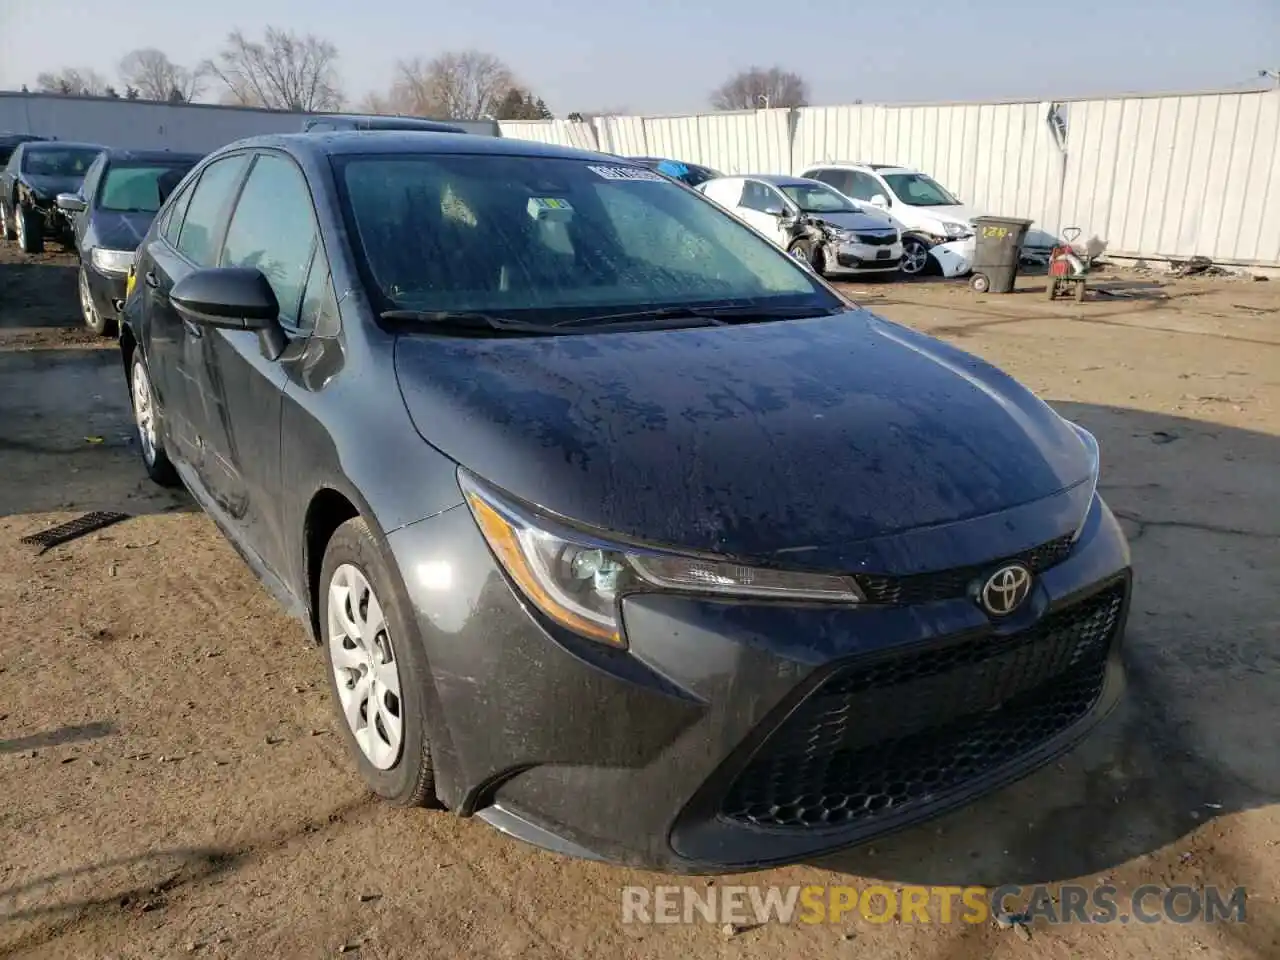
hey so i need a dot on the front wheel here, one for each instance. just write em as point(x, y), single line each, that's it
point(806, 251)
point(377, 670)
point(30, 234)
point(93, 318)
point(915, 256)
point(146, 417)
point(980, 283)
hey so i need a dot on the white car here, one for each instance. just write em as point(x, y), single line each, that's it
point(812, 222)
point(937, 228)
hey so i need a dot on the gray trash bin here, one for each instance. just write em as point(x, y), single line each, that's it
point(998, 244)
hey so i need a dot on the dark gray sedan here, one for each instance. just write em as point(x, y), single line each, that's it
point(619, 527)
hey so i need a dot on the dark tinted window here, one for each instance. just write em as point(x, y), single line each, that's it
point(58, 161)
point(864, 187)
point(199, 232)
point(760, 196)
point(274, 229)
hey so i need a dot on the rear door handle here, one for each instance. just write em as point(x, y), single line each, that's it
point(149, 278)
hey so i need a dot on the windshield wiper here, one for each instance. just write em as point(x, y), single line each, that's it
point(469, 322)
point(711, 316)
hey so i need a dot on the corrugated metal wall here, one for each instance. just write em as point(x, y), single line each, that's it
point(1157, 177)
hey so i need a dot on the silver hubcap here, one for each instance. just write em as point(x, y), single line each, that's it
point(86, 302)
point(914, 257)
point(364, 667)
point(144, 412)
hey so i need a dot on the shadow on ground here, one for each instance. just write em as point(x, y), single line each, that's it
point(39, 291)
point(67, 440)
point(1194, 738)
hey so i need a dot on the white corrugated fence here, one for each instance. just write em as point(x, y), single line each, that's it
point(1166, 177)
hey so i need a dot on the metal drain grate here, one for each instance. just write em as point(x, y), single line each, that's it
point(73, 529)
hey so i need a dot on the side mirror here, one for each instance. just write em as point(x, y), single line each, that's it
point(881, 201)
point(71, 203)
point(232, 298)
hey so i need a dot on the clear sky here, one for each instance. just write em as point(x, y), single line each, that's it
point(664, 56)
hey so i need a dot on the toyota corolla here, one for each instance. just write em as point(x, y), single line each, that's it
point(618, 527)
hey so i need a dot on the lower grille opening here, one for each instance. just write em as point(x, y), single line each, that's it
point(908, 732)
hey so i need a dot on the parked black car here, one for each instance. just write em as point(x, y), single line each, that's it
point(10, 141)
point(690, 173)
point(619, 527)
point(326, 123)
point(110, 214)
point(36, 173)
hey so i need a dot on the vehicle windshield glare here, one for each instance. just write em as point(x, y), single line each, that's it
point(817, 198)
point(134, 188)
point(917, 190)
point(58, 161)
point(545, 239)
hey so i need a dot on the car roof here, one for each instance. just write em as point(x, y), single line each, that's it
point(153, 156)
point(392, 142)
point(861, 165)
point(59, 144)
point(781, 180)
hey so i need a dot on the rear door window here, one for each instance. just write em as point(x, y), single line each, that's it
point(199, 234)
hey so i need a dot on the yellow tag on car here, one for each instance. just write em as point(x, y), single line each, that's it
point(128, 284)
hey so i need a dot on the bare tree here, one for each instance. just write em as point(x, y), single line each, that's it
point(459, 86)
point(73, 81)
point(757, 87)
point(284, 72)
point(156, 77)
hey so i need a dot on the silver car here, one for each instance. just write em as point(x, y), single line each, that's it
point(813, 222)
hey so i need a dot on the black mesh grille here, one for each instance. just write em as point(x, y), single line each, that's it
point(948, 584)
point(877, 239)
point(907, 731)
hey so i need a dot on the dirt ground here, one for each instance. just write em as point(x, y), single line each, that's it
point(171, 783)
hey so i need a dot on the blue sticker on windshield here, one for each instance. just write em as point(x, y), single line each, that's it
point(624, 173)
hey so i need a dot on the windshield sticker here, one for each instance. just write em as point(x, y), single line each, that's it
point(625, 173)
point(554, 209)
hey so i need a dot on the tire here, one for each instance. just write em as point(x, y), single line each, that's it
point(1080, 291)
point(804, 249)
point(95, 321)
point(1051, 290)
point(396, 768)
point(30, 232)
point(6, 223)
point(150, 436)
point(980, 283)
point(916, 261)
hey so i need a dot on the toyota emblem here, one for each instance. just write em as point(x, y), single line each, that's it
point(1005, 590)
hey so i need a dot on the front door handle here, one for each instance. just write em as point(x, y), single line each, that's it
point(150, 279)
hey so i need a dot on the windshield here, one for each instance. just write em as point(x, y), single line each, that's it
point(135, 188)
point(59, 161)
point(817, 198)
point(919, 191)
point(544, 239)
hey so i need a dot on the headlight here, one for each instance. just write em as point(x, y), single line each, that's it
point(112, 261)
point(577, 578)
point(956, 230)
point(1095, 463)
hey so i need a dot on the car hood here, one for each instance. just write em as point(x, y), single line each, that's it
point(958, 214)
point(854, 220)
point(121, 231)
point(52, 186)
point(743, 440)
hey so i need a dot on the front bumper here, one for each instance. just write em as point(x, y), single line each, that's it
point(852, 257)
point(954, 257)
point(107, 290)
point(734, 736)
